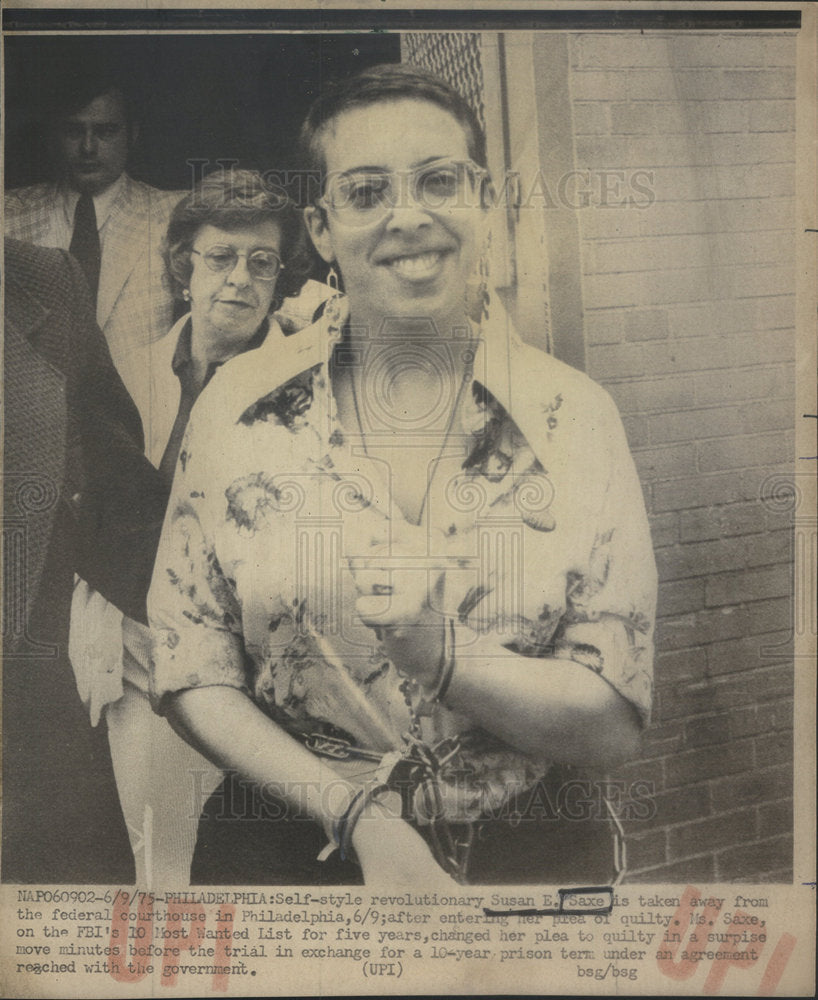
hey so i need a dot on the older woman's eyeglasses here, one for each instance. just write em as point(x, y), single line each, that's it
point(263, 265)
point(361, 197)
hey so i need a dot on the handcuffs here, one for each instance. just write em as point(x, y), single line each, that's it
point(414, 773)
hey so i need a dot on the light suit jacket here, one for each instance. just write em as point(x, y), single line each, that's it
point(134, 303)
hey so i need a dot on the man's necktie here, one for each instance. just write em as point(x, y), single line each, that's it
point(85, 241)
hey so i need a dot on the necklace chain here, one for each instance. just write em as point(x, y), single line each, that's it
point(466, 377)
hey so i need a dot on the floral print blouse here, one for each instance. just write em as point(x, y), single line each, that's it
point(533, 506)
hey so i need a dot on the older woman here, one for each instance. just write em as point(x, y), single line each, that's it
point(234, 250)
point(406, 583)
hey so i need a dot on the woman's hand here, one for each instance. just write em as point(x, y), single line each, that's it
point(391, 852)
point(402, 599)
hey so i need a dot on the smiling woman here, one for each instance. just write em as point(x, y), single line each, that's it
point(411, 250)
point(407, 581)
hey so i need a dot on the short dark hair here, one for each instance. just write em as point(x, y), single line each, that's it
point(386, 82)
point(76, 86)
point(236, 199)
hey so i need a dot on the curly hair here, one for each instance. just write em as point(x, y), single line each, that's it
point(236, 199)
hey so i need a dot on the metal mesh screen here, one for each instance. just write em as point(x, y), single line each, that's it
point(452, 55)
point(458, 58)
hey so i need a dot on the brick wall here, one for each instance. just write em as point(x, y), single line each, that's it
point(689, 322)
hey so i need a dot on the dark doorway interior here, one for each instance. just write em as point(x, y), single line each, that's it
point(199, 97)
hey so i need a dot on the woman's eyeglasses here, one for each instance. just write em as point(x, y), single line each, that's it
point(263, 265)
point(361, 197)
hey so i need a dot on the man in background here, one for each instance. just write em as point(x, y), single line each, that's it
point(113, 225)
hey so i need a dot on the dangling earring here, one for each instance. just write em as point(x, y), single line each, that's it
point(186, 294)
point(477, 288)
point(335, 311)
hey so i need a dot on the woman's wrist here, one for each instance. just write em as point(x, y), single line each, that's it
point(428, 680)
point(350, 805)
point(379, 809)
point(472, 652)
point(435, 692)
point(418, 653)
point(336, 800)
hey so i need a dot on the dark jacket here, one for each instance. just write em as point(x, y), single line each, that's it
point(75, 475)
point(78, 496)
